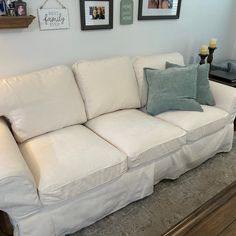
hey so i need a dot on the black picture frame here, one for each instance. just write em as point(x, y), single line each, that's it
point(161, 16)
point(20, 8)
point(97, 19)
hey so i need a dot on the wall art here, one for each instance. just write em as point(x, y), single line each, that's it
point(96, 14)
point(3, 8)
point(126, 12)
point(20, 8)
point(159, 9)
point(53, 18)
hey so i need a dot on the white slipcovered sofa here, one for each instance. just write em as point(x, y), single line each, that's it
point(77, 147)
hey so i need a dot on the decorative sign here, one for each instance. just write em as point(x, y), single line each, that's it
point(53, 19)
point(126, 12)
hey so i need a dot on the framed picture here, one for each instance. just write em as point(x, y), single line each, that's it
point(159, 9)
point(96, 14)
point(3, 8)
point(20, 8)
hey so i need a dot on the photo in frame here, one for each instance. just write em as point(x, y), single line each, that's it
point(3, 10)
point(96, 14)
point(159, 9)
point(20, 8)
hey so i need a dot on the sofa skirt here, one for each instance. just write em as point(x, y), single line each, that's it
point(193, 154)
point(72, 215)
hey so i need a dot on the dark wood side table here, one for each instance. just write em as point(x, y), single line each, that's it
point(225, 78)
point(5, 225)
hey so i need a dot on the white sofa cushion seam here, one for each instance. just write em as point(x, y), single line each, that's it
point(76, 179)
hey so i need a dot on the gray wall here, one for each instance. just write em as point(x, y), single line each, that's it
point(25, 50)
point(233, 56)
point(234, 52)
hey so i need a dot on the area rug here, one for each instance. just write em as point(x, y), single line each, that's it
point(170, 202)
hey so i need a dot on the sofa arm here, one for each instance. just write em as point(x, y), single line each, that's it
point(18, 193)
point(225, 97)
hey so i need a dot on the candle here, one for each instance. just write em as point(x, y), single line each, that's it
point(204, 50)
point(212, 43)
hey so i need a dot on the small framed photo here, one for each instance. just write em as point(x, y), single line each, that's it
point(159, 9)
point(20, 8)
point(3, 10)
point(96, 14)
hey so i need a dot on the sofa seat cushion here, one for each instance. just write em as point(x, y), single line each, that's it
point(197, 124)
point(140, 136)
point(71, 161)
point(41, 101)
point(107, 85)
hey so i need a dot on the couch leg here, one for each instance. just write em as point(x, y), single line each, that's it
point(6, 228)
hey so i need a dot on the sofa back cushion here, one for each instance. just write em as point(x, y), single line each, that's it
point(155, 62)
point(107, 85)
point(41, 102)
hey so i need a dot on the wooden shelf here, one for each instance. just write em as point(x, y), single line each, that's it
point(10, 22)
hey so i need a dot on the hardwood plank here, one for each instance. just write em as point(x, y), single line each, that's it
point(230, 231)
point(217, 221)
point(214, 205)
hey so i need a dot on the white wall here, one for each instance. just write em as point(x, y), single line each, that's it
point(25, 50)
point(233, 55)
point(234, 51)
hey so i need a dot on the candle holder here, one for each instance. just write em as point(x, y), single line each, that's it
point(210, 57)
point(203, 57)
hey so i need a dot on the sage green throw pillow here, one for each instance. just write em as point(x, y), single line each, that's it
point(172, 89)
point(204, 95)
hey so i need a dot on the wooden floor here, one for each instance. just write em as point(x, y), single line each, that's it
point(217, 217)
